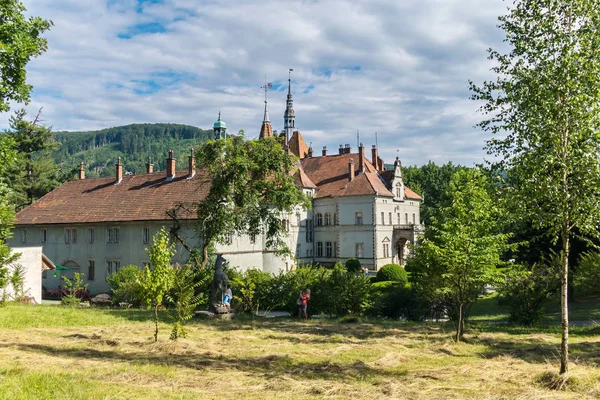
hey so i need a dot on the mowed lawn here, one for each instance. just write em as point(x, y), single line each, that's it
point(52, 352)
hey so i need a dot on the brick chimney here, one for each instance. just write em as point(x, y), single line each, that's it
point(347, 149)
point(170, 165)
point(341, 149)
point(324, 151)
point(375, 157)
point(351, 169)
point(149, 167)
point(310, 152)
point(119, 168)
point(191, 164)
point(81, 171)
point(361, 158)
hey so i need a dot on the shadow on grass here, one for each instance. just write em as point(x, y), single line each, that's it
point(270, 366)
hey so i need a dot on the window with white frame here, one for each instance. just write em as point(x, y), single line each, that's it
point(327, 219)
point(252, 239)
point(112, 266)
point(70, 235)
point(113, 235)
point(360, 250)
point(309, 231)
point(43, 235)
point(285, 225)
point(358, 218)
point(145, 235)
point(319, 249)
point(91, 270)
point(91, 235)
point(319, 219)
point(328, 249)
point(386, 250)
point(399, 222)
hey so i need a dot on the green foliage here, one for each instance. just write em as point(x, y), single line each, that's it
point(353, 265)
point(135, 144)
point(33, 173)
point(17, 281)
point(526, 291)
point(458, 256)
point(185, 297)
point(252, 185)
point(394, 300)
point(124, 285)
point(74, 287)
point(392, 272)
point(431, 181)
point(344, 293)
point(21, 40)
point(544, 109)
point(587, 274)
point(254, 288)
point(155, 282)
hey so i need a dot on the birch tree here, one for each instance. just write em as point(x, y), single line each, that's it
point(543, 110)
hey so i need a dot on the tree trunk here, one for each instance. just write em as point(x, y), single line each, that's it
point(156, 322)
point(460, 326)
point(564, 305)
point(204, 256)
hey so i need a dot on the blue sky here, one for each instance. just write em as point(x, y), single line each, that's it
point(398, 68)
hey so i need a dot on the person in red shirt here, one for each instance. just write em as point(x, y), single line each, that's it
point(303, 303)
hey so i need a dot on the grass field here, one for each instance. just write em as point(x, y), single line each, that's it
point(51, 352)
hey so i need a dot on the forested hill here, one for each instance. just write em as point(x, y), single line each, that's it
point(100, 149)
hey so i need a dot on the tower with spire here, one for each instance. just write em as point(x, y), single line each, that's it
point(266, 130)
point(289, 116)
point(220, 128)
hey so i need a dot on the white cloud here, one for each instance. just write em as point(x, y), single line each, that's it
point(396, 68)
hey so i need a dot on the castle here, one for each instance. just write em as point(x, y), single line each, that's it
point(360, 210)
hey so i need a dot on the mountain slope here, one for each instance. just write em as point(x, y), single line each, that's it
point(100, 149)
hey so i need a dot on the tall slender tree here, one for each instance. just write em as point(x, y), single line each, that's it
point(544, 111)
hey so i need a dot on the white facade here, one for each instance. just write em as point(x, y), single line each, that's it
point(31, 260)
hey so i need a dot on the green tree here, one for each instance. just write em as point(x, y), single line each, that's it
point(544, 111)
point(252, 187)
point(157, 280)
point(187, 281)
point(20, 41)
point(7, 210)
point(460, 251)
point(34, 173)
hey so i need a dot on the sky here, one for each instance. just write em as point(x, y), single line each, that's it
point(398, 68)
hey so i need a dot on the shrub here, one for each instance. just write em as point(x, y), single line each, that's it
point(394, 300)
point(353, 265)
point(526, 291)
point(75, 290)
point(183, 296)
point(392, 272)
point(587, 274)
point(124, 285)
point(252, 291)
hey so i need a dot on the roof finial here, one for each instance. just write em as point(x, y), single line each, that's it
point(266, 89)
point(397, 154)
point(290, 81)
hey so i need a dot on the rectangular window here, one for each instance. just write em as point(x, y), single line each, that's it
point(91, 235)
point(359, 219)
point(319, 249)
point(252, 239)
point(414, 219)
point(335, 219)
point(328, 249)
point(360, 250)
point(91, 270)
point(23, 235)
point(285, 225)
point(146, 235)
point(70, 235)
point(382, 218)
point(399, 222)
point(406, 218)
point(229, 238)
point(307, 252)
point(298, 219)
point(298, 250)
point(319, 219)
point(390, 219)
point(112, 266)
point(309, 231)
point(398, 193)
point(386, 250)
point(335, 249)
point(113, 235)
point(43, 235)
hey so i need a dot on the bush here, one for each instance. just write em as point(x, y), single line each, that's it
point(394, 300)
point(75, 290)
point(526, 291)
point(587, 274)
point(124, 285)
point(345, 293)
point(392, 272)
point(353, 265)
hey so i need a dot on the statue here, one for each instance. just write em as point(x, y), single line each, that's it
point(219, 285)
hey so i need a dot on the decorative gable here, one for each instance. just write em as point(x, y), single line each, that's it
point(398, 188)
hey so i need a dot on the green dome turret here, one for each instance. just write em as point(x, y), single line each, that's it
point(219, 128)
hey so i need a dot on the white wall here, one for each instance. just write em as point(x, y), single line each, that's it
point(31, 259)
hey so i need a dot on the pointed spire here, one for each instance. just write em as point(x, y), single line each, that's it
point(266, 130)
point(289, 115)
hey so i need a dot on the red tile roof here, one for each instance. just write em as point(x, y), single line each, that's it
point(298, 146)
point(146, 197)
point(388, 177)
